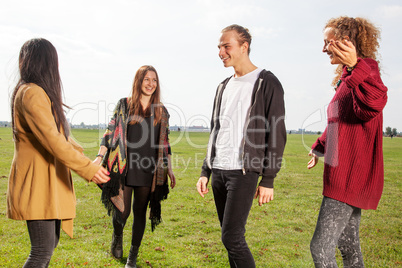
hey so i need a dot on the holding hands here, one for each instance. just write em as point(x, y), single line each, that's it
point(102, 176)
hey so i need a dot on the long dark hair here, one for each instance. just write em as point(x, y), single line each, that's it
point(38, 64)
point(134, 104)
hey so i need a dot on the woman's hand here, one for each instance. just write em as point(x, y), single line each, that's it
point(97, 161)
point(345, 51)
point(313, 161)
point(170, 172)
point(102, 176)
point(172, 178)
point(99, 156)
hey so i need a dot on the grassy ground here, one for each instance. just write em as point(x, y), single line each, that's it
point(278, 233)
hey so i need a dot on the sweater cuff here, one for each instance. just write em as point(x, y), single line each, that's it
point(359, 74)
point(318, 149)
point(205, 173)
point(267, 182)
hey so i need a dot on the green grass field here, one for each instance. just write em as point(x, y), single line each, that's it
point(278, 233)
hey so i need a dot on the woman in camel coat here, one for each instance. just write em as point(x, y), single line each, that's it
point(40, 188)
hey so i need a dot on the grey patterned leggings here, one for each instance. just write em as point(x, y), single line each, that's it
point(337, 226)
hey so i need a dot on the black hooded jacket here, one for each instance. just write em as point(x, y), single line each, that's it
point(265, 135)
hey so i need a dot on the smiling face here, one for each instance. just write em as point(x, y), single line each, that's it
point(230, 51)
point(329, 35)
point(149, 83)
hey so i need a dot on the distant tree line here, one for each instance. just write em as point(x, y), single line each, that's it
point(5, 124)
point(391, 132)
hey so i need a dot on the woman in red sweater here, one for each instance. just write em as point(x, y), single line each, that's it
point(352, 142)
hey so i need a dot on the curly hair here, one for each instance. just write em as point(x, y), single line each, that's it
point(361, 32)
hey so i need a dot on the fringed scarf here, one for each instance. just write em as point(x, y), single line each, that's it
point(115, 160)
point(160, 188)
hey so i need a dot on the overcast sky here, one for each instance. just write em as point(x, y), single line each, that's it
point(101, 44)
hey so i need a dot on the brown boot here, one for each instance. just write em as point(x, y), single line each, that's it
point(117, 246)
point(132, 257)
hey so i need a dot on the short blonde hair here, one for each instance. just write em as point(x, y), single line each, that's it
point(243, 33)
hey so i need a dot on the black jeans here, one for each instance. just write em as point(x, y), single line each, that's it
point(44, 236)
point(337, 226)
point(233, 194)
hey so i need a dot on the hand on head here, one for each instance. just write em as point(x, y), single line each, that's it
point(345, 51)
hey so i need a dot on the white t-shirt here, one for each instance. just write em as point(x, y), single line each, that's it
point(235, 105)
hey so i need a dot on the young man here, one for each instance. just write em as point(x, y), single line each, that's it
point(247, 140)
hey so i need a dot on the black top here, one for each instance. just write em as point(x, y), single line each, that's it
point(142, 152)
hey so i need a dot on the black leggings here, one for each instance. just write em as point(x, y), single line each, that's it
point(44, 236)
point(140, 204)
point(337, 226)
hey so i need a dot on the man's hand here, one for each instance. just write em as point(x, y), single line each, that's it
point(202, 186)
point(265, 195)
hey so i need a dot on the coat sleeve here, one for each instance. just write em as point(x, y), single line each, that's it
point(39, 117)
point(368, 91)
point(276, 139)
point(75, 145)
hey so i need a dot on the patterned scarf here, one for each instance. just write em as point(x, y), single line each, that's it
point(115, 161)
point(160, 188)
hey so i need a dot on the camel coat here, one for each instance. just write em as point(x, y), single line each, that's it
point(40, 185)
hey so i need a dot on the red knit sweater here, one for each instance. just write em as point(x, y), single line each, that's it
point(352, 142)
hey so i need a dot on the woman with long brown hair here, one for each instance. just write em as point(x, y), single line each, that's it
point(351, 143)
point(40, 188)
point(135, 149)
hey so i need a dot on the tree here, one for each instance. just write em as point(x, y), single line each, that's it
point(388, 131)
point(394, 132)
